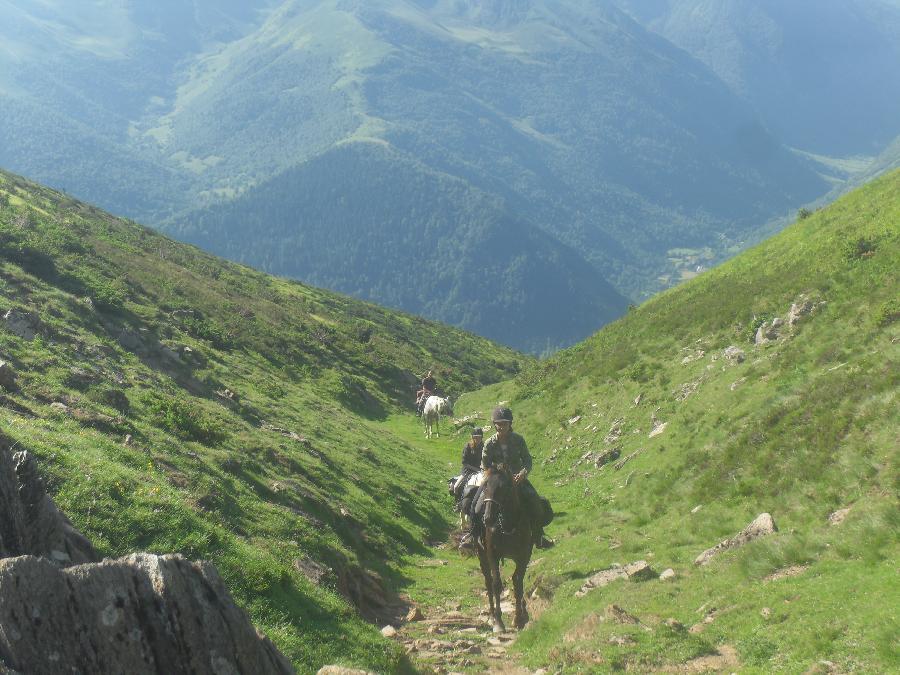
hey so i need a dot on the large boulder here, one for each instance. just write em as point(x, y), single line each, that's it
point(60, 611)
point(141, 614)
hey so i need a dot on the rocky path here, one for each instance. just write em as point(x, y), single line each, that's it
point(450, 638)
point(456, 641)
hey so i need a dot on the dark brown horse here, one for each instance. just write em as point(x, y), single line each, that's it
point(506, 534)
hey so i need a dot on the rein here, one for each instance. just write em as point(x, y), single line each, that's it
point(500, 522)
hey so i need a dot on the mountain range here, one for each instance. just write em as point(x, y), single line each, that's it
point(440, 157)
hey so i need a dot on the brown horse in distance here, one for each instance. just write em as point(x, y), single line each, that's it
point(506, 534)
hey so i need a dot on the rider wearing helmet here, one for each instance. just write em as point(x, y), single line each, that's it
point(509, 448)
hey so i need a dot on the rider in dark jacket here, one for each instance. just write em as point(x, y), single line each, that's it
point(471, 460)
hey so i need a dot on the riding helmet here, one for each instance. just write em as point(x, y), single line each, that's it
point(501, 414)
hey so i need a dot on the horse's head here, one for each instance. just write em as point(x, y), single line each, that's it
point(499, 493)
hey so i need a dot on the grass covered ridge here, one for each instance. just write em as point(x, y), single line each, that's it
point(254, 406)
point(799, 427)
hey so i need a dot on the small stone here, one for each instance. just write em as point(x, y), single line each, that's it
point(388, 631)
point(667, 574)
point(696, 509)
point(838, 516)
point(129, 441)
point(766, 612)
point(414, 614)
point(639, 571)
point(734, 354)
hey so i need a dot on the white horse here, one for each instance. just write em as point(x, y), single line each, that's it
point(435, 406)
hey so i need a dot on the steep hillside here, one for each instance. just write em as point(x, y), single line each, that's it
point(180, 403)
point(815, 72)
point(675, 427)
point(568, 115)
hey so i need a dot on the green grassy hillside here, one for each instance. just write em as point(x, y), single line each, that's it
point(798, 427)
point(181, 403)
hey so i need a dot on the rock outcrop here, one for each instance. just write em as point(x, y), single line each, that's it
point(30, 523)
point(140, 614)
point(761, 526)
point(61, 611)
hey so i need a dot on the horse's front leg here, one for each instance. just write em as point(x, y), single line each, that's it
point(496, 581)
point(518, 579)
point(488, 580)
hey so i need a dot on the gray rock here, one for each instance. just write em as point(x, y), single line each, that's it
point(62, 612)
point(800, 308)
point(7, 376)
point(734, 354)
point(140, 614)
point(767, 332)
point(640, 571)
point(23, 324)
point(667, 574)
point(601, 579)
point(30, 523)
point(389, 631)
point(763, 525)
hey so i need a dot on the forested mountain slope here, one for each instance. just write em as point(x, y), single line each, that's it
point(568, 116)
point(816, 72)
point(180, 403)
point(767, 385)
point(464, 257)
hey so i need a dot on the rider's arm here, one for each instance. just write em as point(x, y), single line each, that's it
point(487, 455)
point(526, 457)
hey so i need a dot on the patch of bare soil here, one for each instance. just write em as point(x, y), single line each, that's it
point(726, 658)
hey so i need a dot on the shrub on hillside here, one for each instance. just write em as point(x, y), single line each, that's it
point(180, 416)
point(859, 248)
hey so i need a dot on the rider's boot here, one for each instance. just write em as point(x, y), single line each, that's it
point(540, 541)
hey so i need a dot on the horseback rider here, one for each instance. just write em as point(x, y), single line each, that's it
point(471, 461)
point(509, 448)
point(429, 387)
